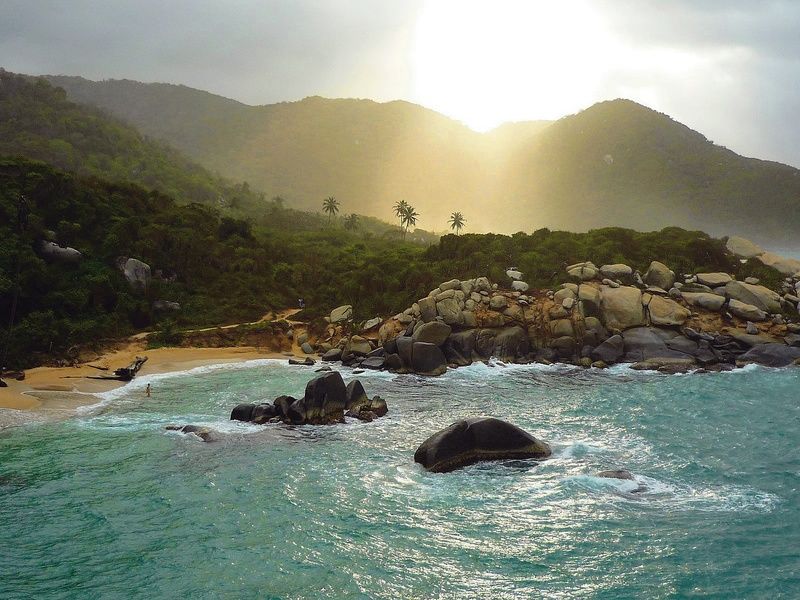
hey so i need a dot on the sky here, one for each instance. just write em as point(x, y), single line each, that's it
point(727, 68)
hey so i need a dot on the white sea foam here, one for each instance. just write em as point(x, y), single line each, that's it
point(141, 381)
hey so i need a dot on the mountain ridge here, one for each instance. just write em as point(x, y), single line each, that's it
point(615, 163)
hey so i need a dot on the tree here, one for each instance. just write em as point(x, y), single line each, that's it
point(351, 222)
point(408, 218)
point(457, 221)
point(399, 209)
point(330, 206)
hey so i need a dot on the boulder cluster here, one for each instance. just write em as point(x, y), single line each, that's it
point(327, 400)
point(599, 316)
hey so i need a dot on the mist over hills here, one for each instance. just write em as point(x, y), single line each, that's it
point(615, 163)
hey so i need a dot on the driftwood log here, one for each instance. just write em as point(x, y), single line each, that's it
point(125, 373)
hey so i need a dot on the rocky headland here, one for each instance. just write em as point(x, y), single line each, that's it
point(599, 316)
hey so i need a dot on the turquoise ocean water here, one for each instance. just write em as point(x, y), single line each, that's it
point(110, 505)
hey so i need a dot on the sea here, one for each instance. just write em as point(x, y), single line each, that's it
point(110, 504)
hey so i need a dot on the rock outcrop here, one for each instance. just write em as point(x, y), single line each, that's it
point(601, 317)
point(478, 439)
point(136, 272)
point(326, 401)
point(54, 253)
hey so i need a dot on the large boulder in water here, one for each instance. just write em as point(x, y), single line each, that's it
point(478, 439)
point(325, 399)
point(355, 395)
point(428, 359)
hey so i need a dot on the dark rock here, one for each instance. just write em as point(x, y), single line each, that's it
point(204, 433)
point(282, 404)
point(478, 439)
point(378, 406)
point(3, 384)
point(263, 413)
point(375, 363)
point(355, 395)
point(546, 355)
point(697, 335)
point(332, 355)
point(297, 412)
point(644, 343)
point(325, 398)
point(390, 346)
point(770, 355)
point(564, 346)
point(377, 353)
point(611, 350)
point(511, 343)
point(393, 362)
point(323, 369)
point(616, 474)
point(793, 339)
point(746, 340)
point(682, 344)
point(484, 342)
point(306, 362)
point(462, 344)
point(242, 412)
point(405, 348)
point(428, 359)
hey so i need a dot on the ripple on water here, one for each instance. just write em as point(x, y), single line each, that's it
point(133, 510)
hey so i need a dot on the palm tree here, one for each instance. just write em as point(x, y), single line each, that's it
point(331, 206)
point(408, 218)
point(457, 221)
point(351, 221)
point(399, 208)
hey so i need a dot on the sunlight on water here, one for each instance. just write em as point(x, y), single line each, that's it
point(111, 502)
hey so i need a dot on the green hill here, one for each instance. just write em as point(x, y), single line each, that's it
point(37, 121)
point(224, 270)
point(616, 163)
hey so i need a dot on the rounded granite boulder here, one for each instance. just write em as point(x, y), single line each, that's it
point(478, 439)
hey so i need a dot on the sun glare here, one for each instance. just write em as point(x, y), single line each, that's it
point(489, 62)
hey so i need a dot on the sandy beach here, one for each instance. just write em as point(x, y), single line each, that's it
point(48, 392)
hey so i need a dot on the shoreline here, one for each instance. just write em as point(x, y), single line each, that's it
point(57, 392)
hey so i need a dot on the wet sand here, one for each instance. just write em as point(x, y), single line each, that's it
point(51, 393)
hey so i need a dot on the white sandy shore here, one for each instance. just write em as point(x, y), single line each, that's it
point(51, 393)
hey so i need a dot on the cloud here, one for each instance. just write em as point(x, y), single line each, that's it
point(728, 68)
point(255, 51)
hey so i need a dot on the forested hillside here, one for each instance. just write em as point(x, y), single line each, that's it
point(222, 270)
point(615, 164)
point(37, 121)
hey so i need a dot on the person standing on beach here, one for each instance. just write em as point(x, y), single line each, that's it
point(147, 390)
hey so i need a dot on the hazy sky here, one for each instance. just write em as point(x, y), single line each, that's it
point(728, 68)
